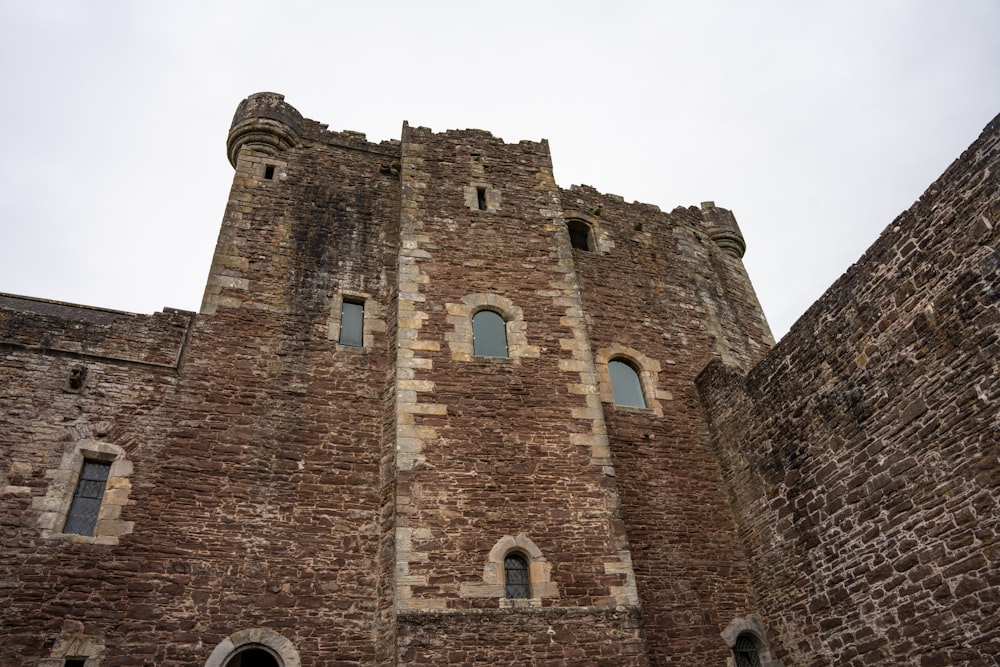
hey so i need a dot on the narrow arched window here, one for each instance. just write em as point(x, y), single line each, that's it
point(625, 384)
point(579, 234)
point(745, 651)
point(515, 574)
point(489, 334)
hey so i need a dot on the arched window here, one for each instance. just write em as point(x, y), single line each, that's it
point(517, 583)
point(625, 384)
point(489, 334)
point(579, 234)
point(254, 647)
point(745, 651)
point(253, 656)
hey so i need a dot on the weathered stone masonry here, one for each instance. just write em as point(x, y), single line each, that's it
point(861, 455)
point(279, 497)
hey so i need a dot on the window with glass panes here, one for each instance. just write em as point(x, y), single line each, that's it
point(352, 323)
point(82, 516)
point(515, 570)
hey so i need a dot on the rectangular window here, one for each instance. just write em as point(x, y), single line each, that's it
point(481, 197)
point(82, 517)
point(352, 323)
point(75, 662)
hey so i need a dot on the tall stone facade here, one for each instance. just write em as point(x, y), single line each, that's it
point(862, 455)
point(328, 466)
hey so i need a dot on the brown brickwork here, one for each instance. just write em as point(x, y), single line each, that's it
point(336, 504)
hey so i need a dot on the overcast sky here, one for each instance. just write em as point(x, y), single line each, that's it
point(815, 122)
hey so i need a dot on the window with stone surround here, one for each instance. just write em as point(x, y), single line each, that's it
point(490, 311)
point(619, 368)
point(748, 644)
point(352, 320)
point(745, 652)
point(579, 234)
point(481, 196)
point(586, 232)
point(253, 656)
point(489, 334)
point(355, 318)
point(86, 505)
point(625, 383)
point(517, 583)
point(72, 648)
point(254, 647)
point(79, 504)
point(516, 574)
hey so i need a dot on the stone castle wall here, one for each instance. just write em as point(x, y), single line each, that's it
point(353, 504)
point(661, 292)
point(494, 451)
point(251, 450)
point(861, 454)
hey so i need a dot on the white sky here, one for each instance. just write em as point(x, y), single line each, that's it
point(815, 122)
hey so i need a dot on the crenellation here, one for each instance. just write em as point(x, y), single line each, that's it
point(336, 462)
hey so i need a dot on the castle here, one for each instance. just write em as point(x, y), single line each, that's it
point(437, 410)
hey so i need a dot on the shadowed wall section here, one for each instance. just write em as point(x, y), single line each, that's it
point(861, 455)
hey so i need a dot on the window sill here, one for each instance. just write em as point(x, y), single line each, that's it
point(628, 409)
point(73, 538)
point(520, 603)
point(495, 360)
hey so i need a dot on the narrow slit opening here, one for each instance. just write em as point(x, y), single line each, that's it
point(481, 195)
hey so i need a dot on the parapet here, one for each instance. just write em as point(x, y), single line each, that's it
point(722, 229)
point(265, 123)
point(40, 325)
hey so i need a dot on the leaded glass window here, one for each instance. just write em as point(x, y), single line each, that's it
point(745, 652)
point(82, 517)
point(625, 384)
point(489, 334)
point(515, 571)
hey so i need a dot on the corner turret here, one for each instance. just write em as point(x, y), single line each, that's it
point(264, 123)
point(722, 229)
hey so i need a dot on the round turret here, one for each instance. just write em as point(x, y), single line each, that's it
point(722, 229)
point(264, 123)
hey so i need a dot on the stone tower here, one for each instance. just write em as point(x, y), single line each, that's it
point(435, 410)
point(486, 456)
